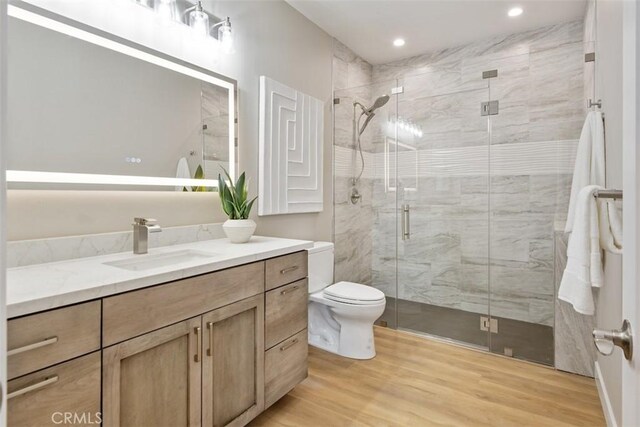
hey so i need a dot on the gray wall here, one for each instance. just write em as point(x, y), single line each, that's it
point(272, 39)
point(609, 89)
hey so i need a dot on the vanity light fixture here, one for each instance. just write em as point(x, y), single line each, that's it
point(145, 3)
point(225, 35)
point(398, 42)
point(515, 11)
point(166, 9)
point(199, 20)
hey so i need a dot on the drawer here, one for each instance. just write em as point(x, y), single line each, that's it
point(285, 366)
point(286, 311)
point(42, 398)
point(51, 337)
point(285, 269)
point(134, 313)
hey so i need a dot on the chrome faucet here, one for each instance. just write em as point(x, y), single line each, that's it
point(141, 229)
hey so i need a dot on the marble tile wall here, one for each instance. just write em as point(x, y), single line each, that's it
point(574, 349)
point(486, 205)
point(353, 224)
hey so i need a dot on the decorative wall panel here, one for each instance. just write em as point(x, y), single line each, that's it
point(291, 139)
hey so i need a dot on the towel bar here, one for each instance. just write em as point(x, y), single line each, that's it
point(608, 194)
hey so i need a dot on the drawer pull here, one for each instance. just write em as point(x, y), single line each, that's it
point(288, 345)
point(291, 289)
point(196, 330)
point(210, 328)
point(33, 346)
point(289, 270)
point(33, 387)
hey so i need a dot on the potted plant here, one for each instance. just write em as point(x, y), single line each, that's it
point(238, 228)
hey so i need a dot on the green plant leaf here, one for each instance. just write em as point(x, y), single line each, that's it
point(233, 196)
point(240, 189)
point(199, 173)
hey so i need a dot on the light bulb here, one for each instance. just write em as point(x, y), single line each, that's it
point(199, 20)
point(225, 36)
point(515, 11)
point(166, 10)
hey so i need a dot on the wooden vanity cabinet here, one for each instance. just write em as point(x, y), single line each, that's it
point(54, 367)
point(233, 363)
point(185, 353)
point(154, 379)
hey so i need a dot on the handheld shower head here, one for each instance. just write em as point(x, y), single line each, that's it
point(357, 132)
point(370, 112)
point(379, 102)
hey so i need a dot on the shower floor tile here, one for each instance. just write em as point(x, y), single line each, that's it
point(521, 340)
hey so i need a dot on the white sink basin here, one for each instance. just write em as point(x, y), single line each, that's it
point(149, 262)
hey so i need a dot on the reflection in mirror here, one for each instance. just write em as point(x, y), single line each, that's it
point(80, 108)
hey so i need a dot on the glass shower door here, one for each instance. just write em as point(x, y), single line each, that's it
point(364, 214)
point(440, 181)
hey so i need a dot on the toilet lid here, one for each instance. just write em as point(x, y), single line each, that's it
point(353, 293)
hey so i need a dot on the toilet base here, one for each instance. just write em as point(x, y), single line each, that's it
point(341, 330)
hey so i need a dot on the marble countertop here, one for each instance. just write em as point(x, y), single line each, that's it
point(41, 287)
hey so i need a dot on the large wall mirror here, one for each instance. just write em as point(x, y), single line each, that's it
point(89, 110)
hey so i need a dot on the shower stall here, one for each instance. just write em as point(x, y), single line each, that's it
point(463, 181)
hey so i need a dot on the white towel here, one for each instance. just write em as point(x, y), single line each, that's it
point(182, 171)
point(590, 161)
point(610, 227)
point(584, 256)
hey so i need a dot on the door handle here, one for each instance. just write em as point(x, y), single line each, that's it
point(406, 222)
point(210, 328)
point(197, 357)
point(605, 341)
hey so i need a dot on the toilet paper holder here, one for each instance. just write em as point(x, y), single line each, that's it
point(606, 341)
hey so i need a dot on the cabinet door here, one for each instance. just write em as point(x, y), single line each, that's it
point(155, 379)
point(233, 365)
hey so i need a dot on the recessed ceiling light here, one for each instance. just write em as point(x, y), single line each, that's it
point(515, 11)
point(398, 42)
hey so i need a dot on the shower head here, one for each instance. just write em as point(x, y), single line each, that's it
point(379, 102)
point(369, 112)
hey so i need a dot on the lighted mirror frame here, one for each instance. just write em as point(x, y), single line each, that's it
point(43, 18)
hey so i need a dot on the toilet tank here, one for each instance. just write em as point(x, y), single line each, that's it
point(320, 266)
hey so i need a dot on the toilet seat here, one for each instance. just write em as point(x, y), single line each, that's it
point(353, 293)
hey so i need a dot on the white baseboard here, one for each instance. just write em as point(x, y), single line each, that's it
point(604, 397)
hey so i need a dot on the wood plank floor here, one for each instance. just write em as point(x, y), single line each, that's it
point(414, 381)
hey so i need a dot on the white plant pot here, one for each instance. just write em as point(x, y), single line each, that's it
point(239, 230)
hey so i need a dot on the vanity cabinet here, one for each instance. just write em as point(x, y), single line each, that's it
point(209, 350)
point(286, 347)
point(154, 379)
point(53, 364)
point(233, 363)
point(46, 397)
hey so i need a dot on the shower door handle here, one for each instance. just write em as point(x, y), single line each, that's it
point(406, 222)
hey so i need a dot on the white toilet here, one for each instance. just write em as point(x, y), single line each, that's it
point(341, 315)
